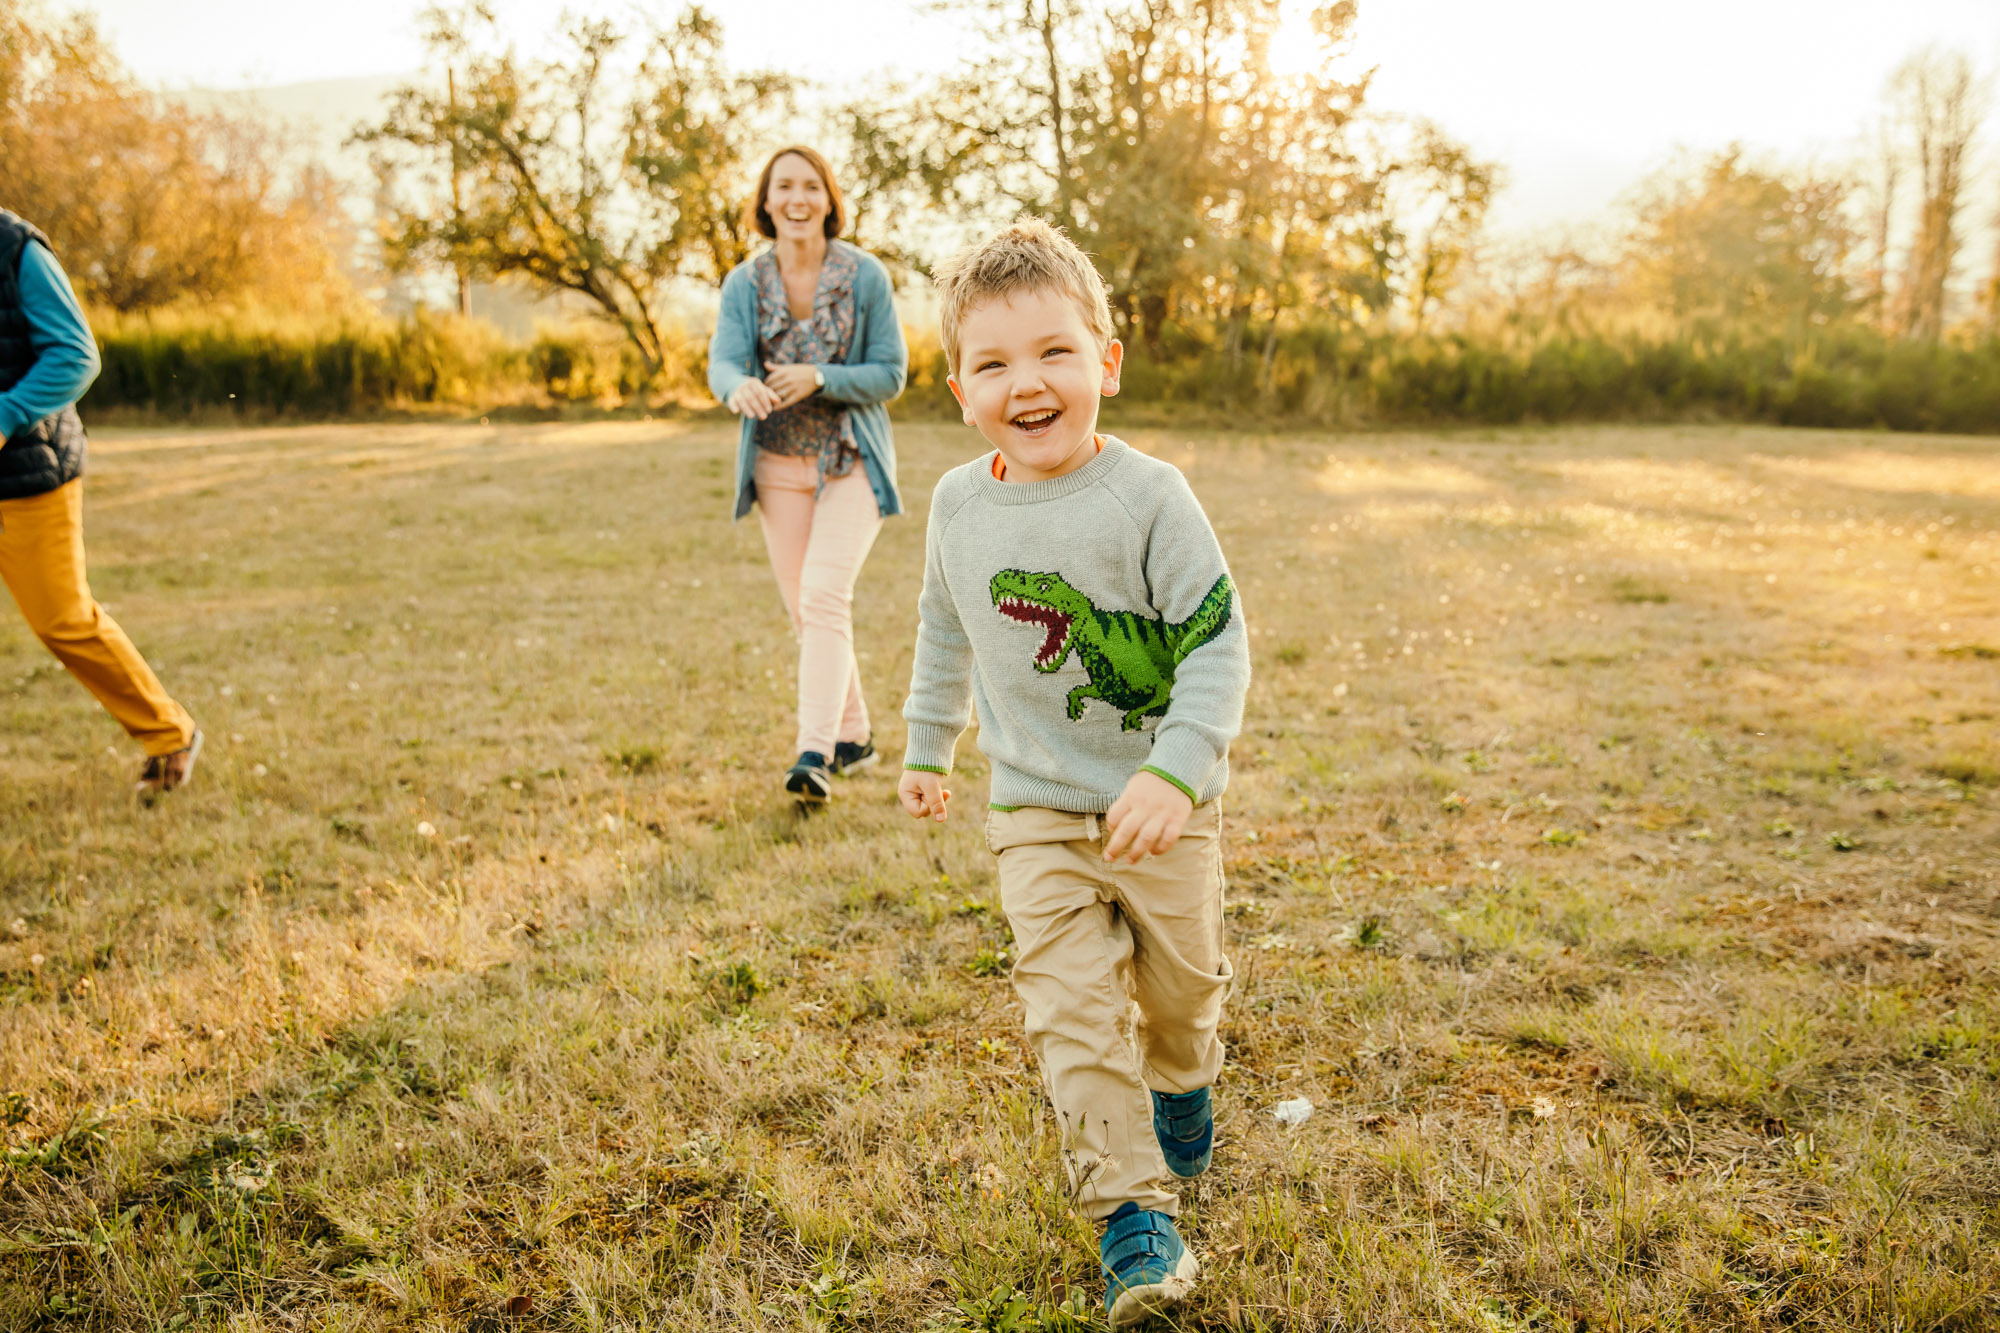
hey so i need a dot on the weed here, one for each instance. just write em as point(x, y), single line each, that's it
point(1625, 588)
point(633, 759)
point(1968, 770)
point(991, 963)
point(733, 985)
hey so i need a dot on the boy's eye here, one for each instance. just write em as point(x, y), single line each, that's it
point(990, 365)
point(1056, 351)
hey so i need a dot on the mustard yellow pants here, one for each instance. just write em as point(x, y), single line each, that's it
point(41, 562)
point(1091, 939)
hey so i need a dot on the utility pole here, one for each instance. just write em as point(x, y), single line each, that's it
point(457, 208)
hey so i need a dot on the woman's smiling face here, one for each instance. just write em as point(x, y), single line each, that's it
point(1030, 377)
point(797, 199)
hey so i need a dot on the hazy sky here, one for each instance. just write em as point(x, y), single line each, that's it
point(1576, 96)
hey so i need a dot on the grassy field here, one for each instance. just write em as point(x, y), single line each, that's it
point(1615, 855)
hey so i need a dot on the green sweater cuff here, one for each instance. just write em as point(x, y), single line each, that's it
point(1185, 790)
point(1183, 757)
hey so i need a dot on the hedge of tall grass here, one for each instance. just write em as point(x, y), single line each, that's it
point(1845, 377)
point(188, 363)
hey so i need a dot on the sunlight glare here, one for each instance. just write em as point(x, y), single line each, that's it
point(1295, 48)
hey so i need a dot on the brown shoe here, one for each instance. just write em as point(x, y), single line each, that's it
point(164, 772)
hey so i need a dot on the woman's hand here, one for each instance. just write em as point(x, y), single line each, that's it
point(791, 383)
point(753, 398)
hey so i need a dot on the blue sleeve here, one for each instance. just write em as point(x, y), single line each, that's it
point(878, 376)
point(734, 345)
point(65, 354)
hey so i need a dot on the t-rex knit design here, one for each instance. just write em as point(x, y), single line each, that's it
point(1130, 658)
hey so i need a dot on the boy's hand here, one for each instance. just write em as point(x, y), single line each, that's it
point(922, 794)
point(1148, 818)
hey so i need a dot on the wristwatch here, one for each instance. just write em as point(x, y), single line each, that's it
point(819, 378)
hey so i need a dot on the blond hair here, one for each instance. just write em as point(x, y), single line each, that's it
point(1028, 256)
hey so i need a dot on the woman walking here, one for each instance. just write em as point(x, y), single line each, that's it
point(807, 350)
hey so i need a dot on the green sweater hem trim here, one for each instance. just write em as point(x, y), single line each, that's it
point(926, 768)
point(1162, 773)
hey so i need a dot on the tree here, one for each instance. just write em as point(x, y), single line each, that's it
point(1941, 103)
point(575, 176)
point(1887, 152)
point(147, 202)
point(1455, 190)
point(1156, 132)
point(1737, 244)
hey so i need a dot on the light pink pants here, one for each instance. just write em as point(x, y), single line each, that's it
point(817, 547)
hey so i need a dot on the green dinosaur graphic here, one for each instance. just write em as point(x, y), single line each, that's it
point(1130, 658)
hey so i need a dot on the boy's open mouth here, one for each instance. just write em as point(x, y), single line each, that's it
point(1038, 422)
point(1050, 619)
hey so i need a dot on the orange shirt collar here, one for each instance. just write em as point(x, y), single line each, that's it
point(1000, 464)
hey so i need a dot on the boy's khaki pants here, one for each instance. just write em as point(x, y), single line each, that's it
point(41, 562)
point(1091, 937)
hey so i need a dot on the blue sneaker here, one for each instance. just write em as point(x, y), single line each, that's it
point(809, 779)
point(1146, 1268)
point(1184, 1123)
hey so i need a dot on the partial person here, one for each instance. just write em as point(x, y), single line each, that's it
point(47, 359)
point(1075, 594)
point(808, 350)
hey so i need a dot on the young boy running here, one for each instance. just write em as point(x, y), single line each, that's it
point(1074, 591)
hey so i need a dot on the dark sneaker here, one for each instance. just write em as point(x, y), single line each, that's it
point(852, 756)
point(809, 779)
point(1185, 1125)
point(164, 772)
point(1146, 1268)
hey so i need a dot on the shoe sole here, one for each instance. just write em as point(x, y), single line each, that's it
point(1137, 1304)
point(803, 786)
point(868, 762)
point(1190, 1172)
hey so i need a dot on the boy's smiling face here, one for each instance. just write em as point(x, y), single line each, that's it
point(1030, 377)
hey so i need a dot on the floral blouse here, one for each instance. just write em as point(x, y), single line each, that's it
point(815, 426)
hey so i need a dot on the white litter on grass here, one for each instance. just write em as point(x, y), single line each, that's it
point(1293, 1111)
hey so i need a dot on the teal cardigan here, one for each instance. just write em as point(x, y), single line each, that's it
point(866, 384)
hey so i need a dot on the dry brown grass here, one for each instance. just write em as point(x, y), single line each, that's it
point(1615, 865)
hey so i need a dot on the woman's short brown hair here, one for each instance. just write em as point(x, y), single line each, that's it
point(836, 213)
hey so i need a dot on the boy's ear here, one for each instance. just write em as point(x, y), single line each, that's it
point(964, 408)
point(1114, 364)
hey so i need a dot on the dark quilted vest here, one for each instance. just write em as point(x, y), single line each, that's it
point(47, 453)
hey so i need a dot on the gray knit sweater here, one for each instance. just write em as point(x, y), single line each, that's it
point(1091, 619)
